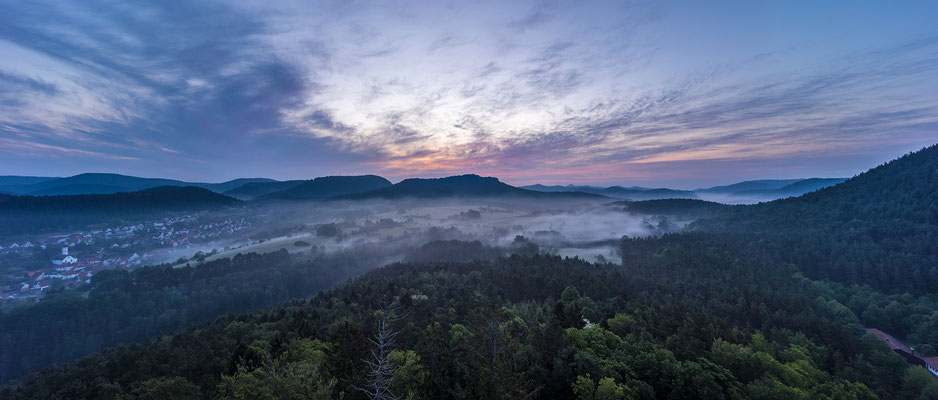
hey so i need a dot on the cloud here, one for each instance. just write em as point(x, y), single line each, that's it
point(518, 90)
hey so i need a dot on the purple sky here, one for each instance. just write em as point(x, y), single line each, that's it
point(682, 94)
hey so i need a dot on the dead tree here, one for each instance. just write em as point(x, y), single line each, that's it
point(380, 369)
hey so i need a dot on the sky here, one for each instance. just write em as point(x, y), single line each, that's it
point(680, 94)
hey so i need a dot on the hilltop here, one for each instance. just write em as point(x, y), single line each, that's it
point(469, 185)
point(886, 217)
point(329, 186)
point(629, 193)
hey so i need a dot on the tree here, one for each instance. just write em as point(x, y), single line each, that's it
point(381, 371)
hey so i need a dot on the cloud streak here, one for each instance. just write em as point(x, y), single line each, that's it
point(548, 92)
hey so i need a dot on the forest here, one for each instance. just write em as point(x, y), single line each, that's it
point(747, 302)
point(37, 214)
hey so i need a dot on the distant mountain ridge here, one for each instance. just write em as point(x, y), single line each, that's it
point(254, 190)
point(469, 185)
point(627, 193)
point(22, 214)
point(329, 186)
point(762, 184)
point(15, 180)
point(794, 189)
point(105, 183)
point(326, 187)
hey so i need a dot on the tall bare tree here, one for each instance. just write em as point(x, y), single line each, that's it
point(380, 369)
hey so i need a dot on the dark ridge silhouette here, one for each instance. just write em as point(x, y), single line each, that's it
point(14, 180)
point(329, 186)
point(102, 183)
point(33, 214)
point(629, 193)
point(762, 184)
point(230, 185)
point(795, 189)
point(458, 186)
point(253, 190)
point(78, 189)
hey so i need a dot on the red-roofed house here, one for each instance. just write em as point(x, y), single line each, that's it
point(893, 343)
point(930, 363)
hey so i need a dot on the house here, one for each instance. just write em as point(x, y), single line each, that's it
point(67, 260)
point(931, 364)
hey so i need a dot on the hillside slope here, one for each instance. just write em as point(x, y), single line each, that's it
point(256, 189)
point(329, 186)
point(627, 193)
point(459, 186)
point(878, 228)
point(514, 328)
point(105, 183)
point(762, 184)
point(32, 214)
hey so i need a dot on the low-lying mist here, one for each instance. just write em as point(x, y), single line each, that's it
point(589, 229)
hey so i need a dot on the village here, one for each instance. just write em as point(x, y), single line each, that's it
point(70, 260)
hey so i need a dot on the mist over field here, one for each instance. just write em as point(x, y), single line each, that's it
point(569, 228)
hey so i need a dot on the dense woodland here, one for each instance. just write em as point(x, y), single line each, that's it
point(879, 228)
point(753, 302)
point(36, 214)
point(686, 321)
point(122, 306)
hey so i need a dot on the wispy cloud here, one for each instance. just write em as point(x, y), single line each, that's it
point(594, 92)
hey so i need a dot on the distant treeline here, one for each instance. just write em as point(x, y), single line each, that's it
point(35, 214)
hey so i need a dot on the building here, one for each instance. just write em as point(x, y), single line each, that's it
point(906, 352)
point(931, 364)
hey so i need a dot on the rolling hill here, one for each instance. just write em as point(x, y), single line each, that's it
point(253, 190)
point(763, 184)
point(13, 181)
point(231, 185)
point(765, 190)
point(101, 183)
point(32, 214)
point(878, 228)
point(329, 186)
point(791, 190)
point(627, 193)
point(458, 186)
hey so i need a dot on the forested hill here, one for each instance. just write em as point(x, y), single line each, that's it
point(903, 191)
point(33, 214)
point(329, 186)
point(687, 322)
point(878, 228)
point(459, 186)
